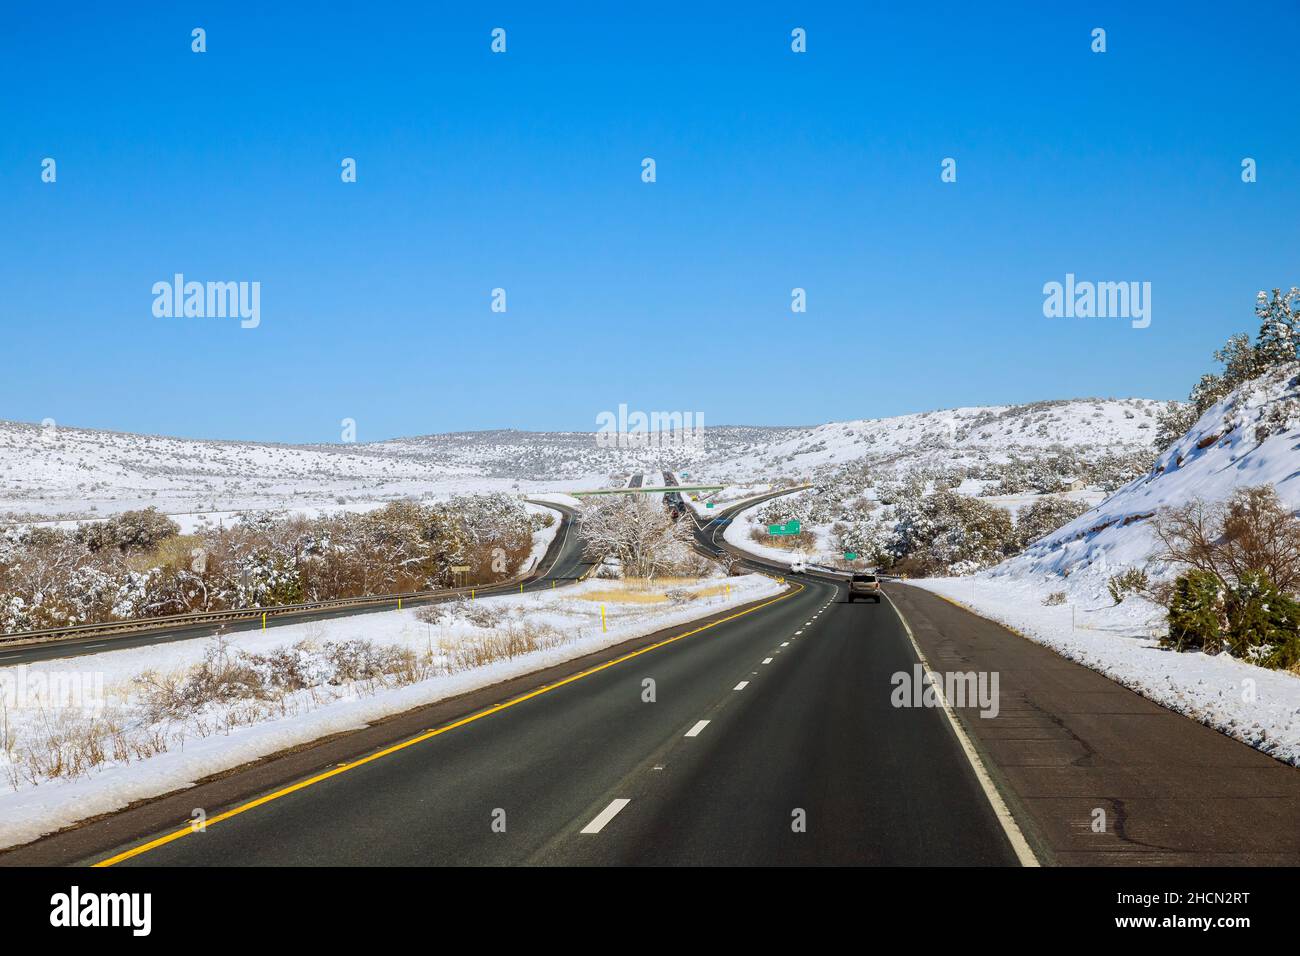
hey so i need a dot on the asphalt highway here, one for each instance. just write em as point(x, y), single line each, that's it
point(769, 739)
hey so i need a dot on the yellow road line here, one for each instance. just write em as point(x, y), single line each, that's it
point(495, 708)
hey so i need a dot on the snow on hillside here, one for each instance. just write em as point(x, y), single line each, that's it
point(62, 472)
point(954, 436)
point(1248, 438)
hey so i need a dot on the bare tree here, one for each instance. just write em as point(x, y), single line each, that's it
point(646, 539)
point(1249, 533)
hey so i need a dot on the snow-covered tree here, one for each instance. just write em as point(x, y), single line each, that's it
point(1279, 317)
point(645, 537)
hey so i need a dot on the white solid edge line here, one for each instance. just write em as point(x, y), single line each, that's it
point(1024, 853)
point(598, 823)
point(741, 686)
point(695, 731)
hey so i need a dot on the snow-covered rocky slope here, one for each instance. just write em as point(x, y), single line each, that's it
point(1248, 438)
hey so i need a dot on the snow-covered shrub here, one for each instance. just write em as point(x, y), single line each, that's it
point(482, 615)
point(129, 532)
point(1249, 619)
point(1044, 516)
point(951, 533)
point(645, 537)
point(1129, 581)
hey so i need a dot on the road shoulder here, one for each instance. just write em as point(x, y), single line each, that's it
point(1096, 774)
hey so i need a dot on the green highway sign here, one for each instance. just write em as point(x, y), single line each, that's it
point(790, 527)
point(850, 556)
point(709, 505)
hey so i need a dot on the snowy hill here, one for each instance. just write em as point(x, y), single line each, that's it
point(1248, 438)
point(956, 436)
point(64, 472)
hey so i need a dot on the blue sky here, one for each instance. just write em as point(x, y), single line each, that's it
point(522, 171)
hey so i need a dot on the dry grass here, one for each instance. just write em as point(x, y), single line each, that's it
point(646, 591)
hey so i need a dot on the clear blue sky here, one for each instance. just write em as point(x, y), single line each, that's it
point(775, 170)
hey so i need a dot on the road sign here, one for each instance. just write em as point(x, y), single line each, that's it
point(709, 504)
point(686, 474)
point(850, 556)
point(460, 568)
point(790, 527)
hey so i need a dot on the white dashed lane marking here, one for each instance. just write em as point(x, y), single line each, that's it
point(741, 686)
point(598, 822)
point(695, 731)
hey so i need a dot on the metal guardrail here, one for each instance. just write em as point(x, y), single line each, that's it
point(200, 618)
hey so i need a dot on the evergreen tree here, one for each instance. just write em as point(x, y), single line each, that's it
point(1278, 333)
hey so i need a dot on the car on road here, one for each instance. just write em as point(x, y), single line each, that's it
point(866, 586)
point(798, 567)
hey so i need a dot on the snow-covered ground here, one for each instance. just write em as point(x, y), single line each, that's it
point(566, 623)
point(1256, 706)
point(739, 534)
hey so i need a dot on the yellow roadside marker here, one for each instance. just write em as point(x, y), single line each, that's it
point(602, 618)
point(264, 620)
